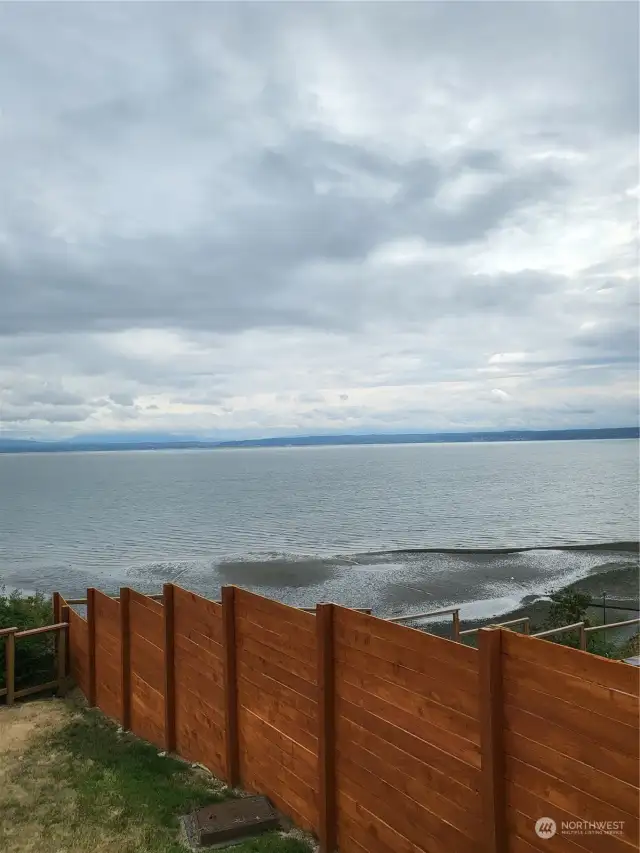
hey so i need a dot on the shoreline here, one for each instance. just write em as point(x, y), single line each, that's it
point(619, 583)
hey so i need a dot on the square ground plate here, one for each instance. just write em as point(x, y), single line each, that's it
point(231, 820)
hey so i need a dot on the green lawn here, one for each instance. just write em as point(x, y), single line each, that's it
point(79, 786)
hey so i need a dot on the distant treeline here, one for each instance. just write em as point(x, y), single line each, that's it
point(118, 443)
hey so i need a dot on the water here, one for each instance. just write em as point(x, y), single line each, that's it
point(307, 524)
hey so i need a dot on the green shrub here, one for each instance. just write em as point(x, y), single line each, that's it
point(34, 655)
point(567, 608)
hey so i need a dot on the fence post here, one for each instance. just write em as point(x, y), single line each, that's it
point(491, 739)
point(10, 666)
point(125, 657)
point(62, 652)
point(230, 685)
point(56, 606)
point(56, 609)
point(327, 830)
point(91, 643)
point(169, 670)
point(64, 617)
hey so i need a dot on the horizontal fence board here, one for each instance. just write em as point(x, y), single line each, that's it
point(604, 731)
point(446, 752)
point(410, 817)
point(106, 644)
point(427, 645)
point(291, 795)
point(147, 624)
point(304, 641)
point(263, 664)
point(377, 835)
point(407, 817)
point(199, 640)
point(297, 725)
point(147, 660)
point(281, 637)
point(204, 651)
point(586, 695)
point(201, 680)
point(534, 807)
point(253, 782)
point(443, 784)
point(283, 742)
point(572, 744)
point(248, 603)
point(441, 721)
point(557, 792)
point(354, 837)
point(145, 601)
point(147, 711)
point(442, 692)
point(107, 619)
point(582, 776)
point(258, 643)
point(108, 700)
point(283, 694)
point(416, 660)
point(79, 651)
point(207, 707)
point(574, 662)
point(193, 611)
point(193, 744)
point(440, 808)
point(253, 742)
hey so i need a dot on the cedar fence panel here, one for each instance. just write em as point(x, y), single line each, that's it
point(407, 740)
point(277, 704)
point(79, 651)
point(199, 680)
point(571, 745)
point(108, 696)
point(147, 668)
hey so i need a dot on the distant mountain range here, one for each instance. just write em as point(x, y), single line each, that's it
point(168, 442)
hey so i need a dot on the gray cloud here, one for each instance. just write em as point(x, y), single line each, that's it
point(235, 218)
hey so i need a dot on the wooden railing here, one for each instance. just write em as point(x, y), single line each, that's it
point(592, 630)
point(511, 623)
point(453, 611)
point(11, 637)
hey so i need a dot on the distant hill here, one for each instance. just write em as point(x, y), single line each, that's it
point(168, 442)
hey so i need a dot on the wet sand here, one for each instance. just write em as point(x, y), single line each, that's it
point(620, 583)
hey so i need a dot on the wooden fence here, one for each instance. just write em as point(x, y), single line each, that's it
point(11, 636)
point(376, 737)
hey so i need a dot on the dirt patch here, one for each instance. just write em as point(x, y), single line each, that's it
point(20, 725)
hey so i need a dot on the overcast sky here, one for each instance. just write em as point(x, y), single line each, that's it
point(237, 219)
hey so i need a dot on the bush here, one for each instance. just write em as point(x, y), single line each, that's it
point(34, 655)
point(567, 608)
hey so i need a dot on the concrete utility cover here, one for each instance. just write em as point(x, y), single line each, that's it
point(230, 821)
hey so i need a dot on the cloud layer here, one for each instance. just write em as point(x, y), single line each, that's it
point(238, 219)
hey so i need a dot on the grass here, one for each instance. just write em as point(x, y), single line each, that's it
point(71, 782)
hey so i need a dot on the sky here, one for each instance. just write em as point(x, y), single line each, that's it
point(243, 220)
